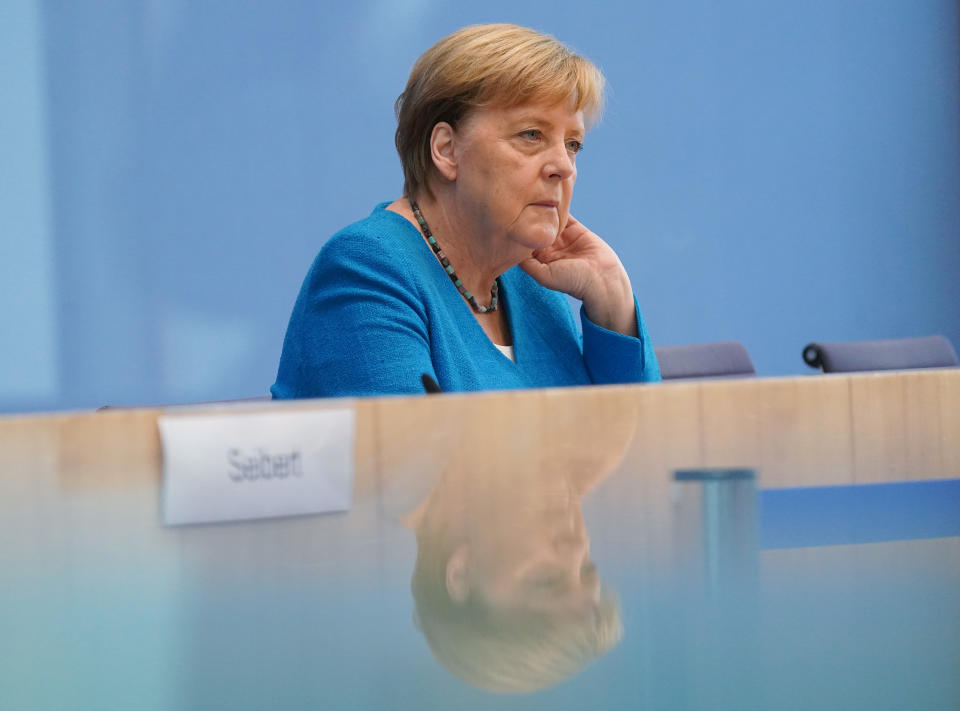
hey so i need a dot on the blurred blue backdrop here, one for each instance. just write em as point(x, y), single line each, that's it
point(774, 172)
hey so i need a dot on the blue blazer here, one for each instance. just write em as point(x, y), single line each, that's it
point(377, 310)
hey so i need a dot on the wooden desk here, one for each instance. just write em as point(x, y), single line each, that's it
point(807, 431)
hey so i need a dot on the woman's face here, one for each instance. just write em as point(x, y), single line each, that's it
point(529, 549)
point(546, 568)
point(515, 170)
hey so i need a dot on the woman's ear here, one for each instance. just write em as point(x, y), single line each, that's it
point(442, 150)
point(458, 586)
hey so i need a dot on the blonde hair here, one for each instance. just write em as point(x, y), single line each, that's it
point(507, 652)
point(486, 65)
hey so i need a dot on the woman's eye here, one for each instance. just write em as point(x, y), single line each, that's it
point(548, 582)
point(574, 146)
point(531, 134)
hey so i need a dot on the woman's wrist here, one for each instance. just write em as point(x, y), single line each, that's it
point(611, 306)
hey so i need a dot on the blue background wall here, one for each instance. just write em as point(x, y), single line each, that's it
point(775, 172)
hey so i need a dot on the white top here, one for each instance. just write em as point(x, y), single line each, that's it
point(506, 350)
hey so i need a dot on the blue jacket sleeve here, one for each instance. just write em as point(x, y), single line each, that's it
point(358, 327)
point(611, 357)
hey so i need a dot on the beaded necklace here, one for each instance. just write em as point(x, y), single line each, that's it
point(448, 268)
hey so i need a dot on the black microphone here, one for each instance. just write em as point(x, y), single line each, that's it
point(430, 385)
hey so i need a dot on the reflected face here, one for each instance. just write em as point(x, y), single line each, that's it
point(515, 171)
point(544, 566)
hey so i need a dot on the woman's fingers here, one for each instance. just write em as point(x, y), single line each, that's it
point(564, 275)
point(581, 264)
point(538, 270)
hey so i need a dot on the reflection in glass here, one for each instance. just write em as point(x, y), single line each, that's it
point(716, 510)
point(505, 591)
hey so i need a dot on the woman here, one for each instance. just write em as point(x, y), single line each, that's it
point(463, 278)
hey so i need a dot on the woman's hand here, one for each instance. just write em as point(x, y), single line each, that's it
point(582, 265)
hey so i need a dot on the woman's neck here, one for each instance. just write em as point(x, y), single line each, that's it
point(472, 254)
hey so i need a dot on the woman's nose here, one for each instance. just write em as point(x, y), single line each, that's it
point(560, 163)
point(571, 542)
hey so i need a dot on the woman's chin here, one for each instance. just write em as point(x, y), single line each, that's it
point(539, 239)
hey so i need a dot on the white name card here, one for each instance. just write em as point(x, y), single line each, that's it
point(246, 466)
